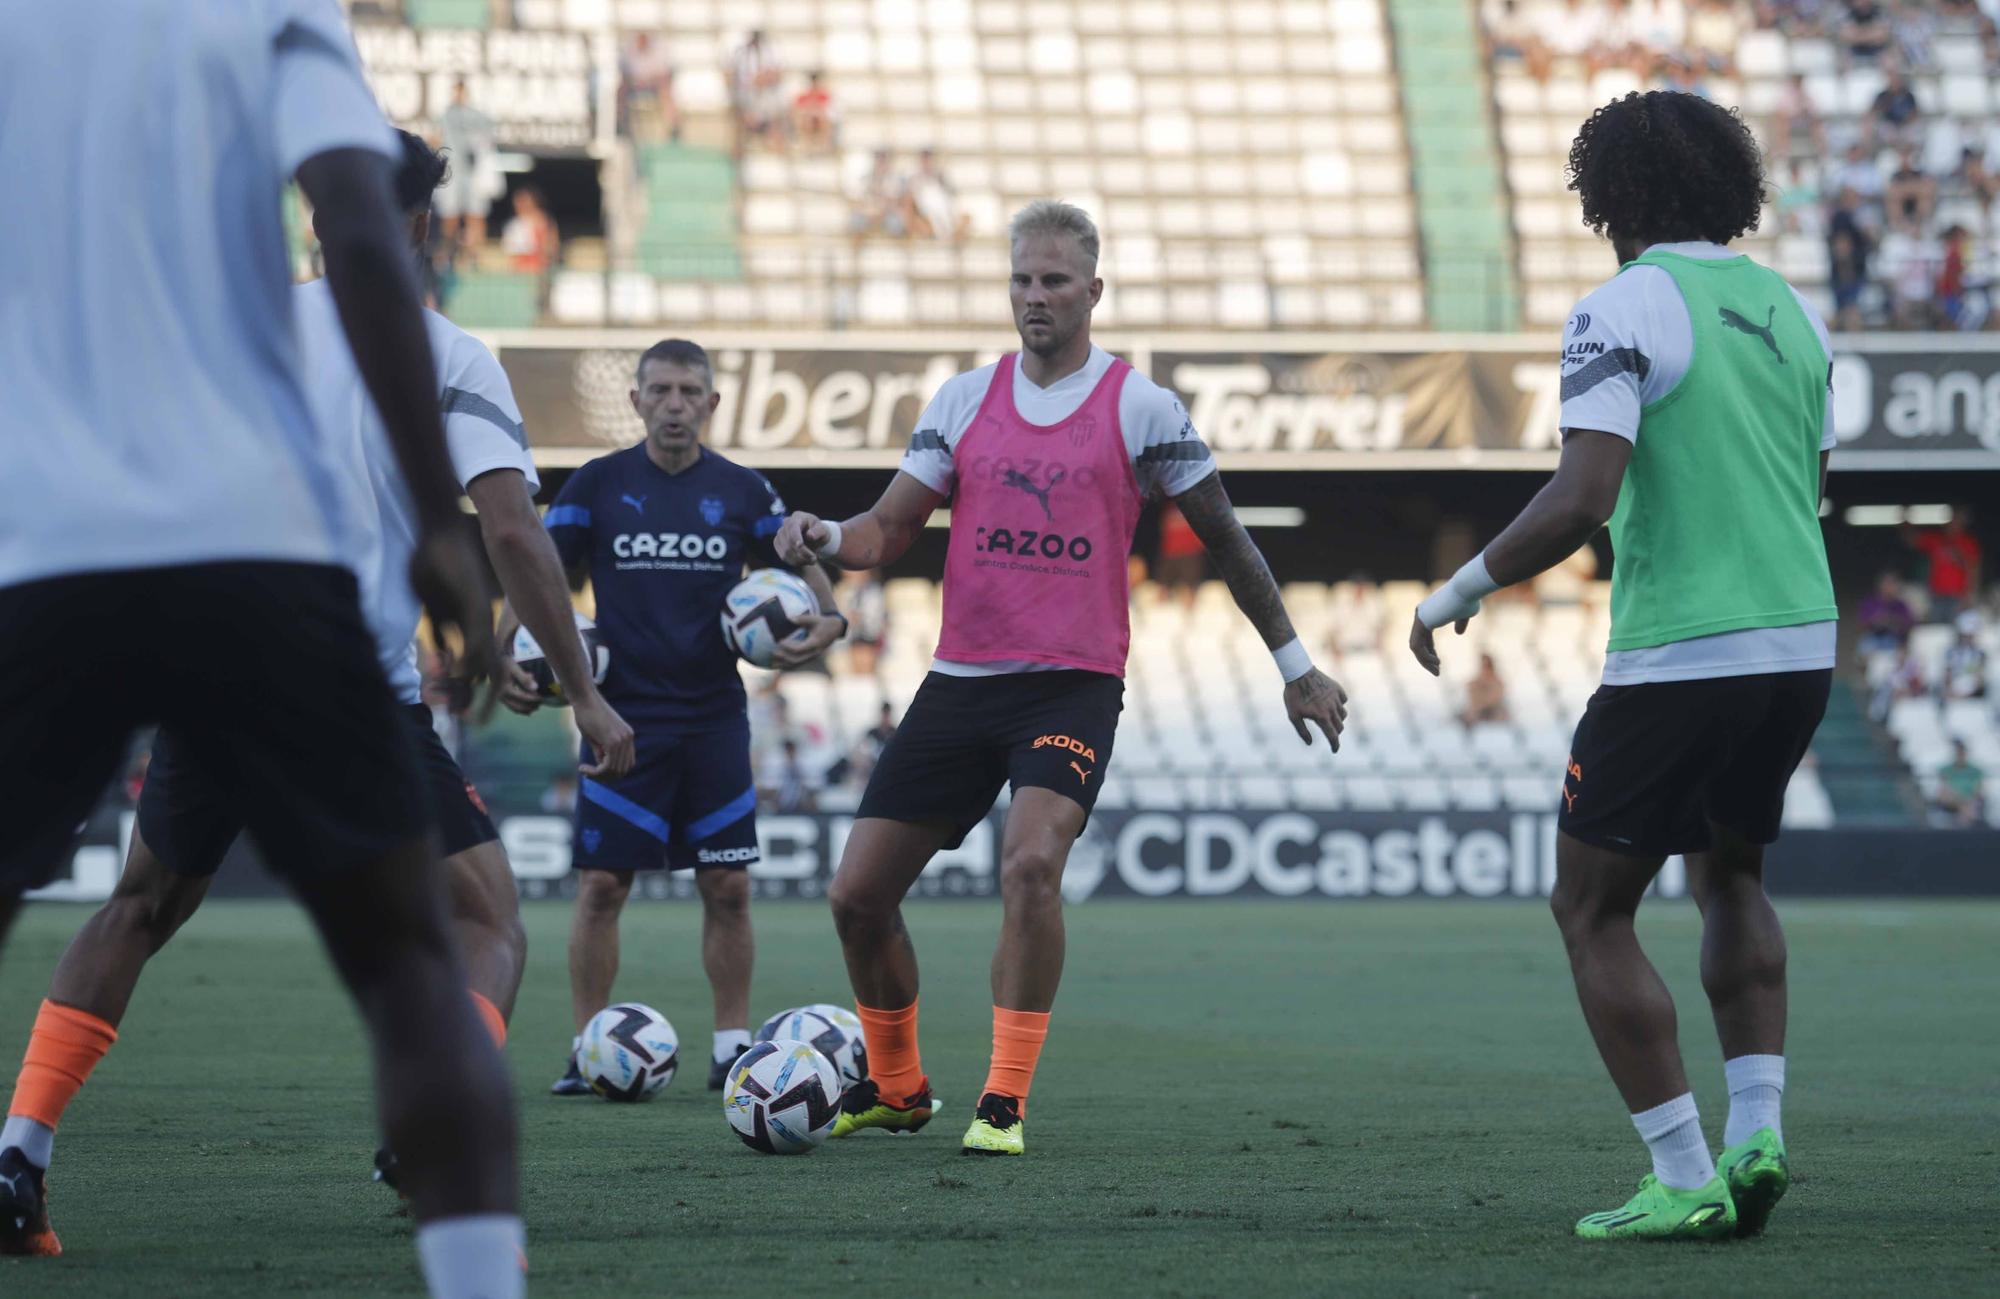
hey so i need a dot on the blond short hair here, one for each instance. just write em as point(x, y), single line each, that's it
point(1053, 216)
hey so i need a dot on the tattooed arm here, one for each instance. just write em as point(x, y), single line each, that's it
point(1313, 696)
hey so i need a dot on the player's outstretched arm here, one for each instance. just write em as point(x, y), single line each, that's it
point(374, 285)
point(1563, 516)
point(1310, 695)
point(872, 540)
point(537, 589)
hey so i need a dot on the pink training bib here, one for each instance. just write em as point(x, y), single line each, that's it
point(1041, 529)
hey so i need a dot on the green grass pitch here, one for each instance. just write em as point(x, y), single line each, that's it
point(1237, 1098)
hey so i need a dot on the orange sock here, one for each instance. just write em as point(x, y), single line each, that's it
point(1017, 1044)
point(489, 1015)
point(893, 1062)
point(65, 1046)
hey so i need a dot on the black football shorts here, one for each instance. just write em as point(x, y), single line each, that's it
point(264, 671)
point(965, 737)
point(189, 820)
point(1652, 765)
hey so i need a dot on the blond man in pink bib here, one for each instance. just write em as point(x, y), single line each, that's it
point(1046, 457)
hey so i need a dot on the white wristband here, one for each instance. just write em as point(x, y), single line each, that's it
point(1293, 661)
point(831, 546)
point(1460, 597)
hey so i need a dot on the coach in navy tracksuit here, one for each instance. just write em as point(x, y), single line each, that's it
point(665, 529)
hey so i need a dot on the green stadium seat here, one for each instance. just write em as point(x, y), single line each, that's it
point(494, 299)
point(449, 13)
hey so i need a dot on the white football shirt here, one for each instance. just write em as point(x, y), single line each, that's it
point(1168, 456)
point(151, 405)
point(482, 429)
point(1639, 322)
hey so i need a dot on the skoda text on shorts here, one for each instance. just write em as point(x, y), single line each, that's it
point(1046, 457)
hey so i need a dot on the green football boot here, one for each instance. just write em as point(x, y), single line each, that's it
point(1660, 1212)
point(1758, 1178)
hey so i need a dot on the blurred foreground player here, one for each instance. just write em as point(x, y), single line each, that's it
point(1696, 419)
point(173, 545)
point(1046, 457)
point(187, 820)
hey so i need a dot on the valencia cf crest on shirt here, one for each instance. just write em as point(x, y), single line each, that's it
point(711, 510)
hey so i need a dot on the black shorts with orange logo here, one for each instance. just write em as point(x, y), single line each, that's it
point(1653, 765)
point(965, 737)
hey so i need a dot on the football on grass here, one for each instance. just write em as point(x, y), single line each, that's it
point(628, 1052)
point(782, 1097)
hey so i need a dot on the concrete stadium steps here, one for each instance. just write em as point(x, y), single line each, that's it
point(1462, 208)
point(1870, 788)
point(690, 226)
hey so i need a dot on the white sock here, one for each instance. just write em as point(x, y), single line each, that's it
point(36, 1140)
point(1673, 1133)
point(730, 1043)
point(476, 1257)
point(1756, 1090)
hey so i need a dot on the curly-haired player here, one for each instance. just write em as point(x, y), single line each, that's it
point(1696, 419)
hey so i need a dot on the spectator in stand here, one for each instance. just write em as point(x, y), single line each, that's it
point(559, 799)
point(1859, 173)
point(884, 729)
point(1915, 24)
point(1903, 680)
point(1798, 129)
point(1909, 262)
point(1965, 661)
point(1511, 35)
point(1183, 559)
point(784, 783)
point(1849, 247)
point(1659, 32)
point(867, 606)
point(1968, 182)
point(815, 119)
point(756, 92)
point(1615, 40)
point(1714, 29)
point(1485, 695)
point(1961, 790)
point(647, 108)
point(1893, 119)
point(1959, 311)
point(1794, 17)
point(1570, 32)
point(1911, 197)
point(1798, 205)
point(934, 212)
point(473, 181)
point(882, 204)
point(1886, 618)
point(531, 241)
point(1866, 33)
point(1955, 563)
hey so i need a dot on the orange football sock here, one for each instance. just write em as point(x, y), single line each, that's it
point(65, 1046)
point(489, 1015)
point(1017, 1044)
point(893, 1062)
